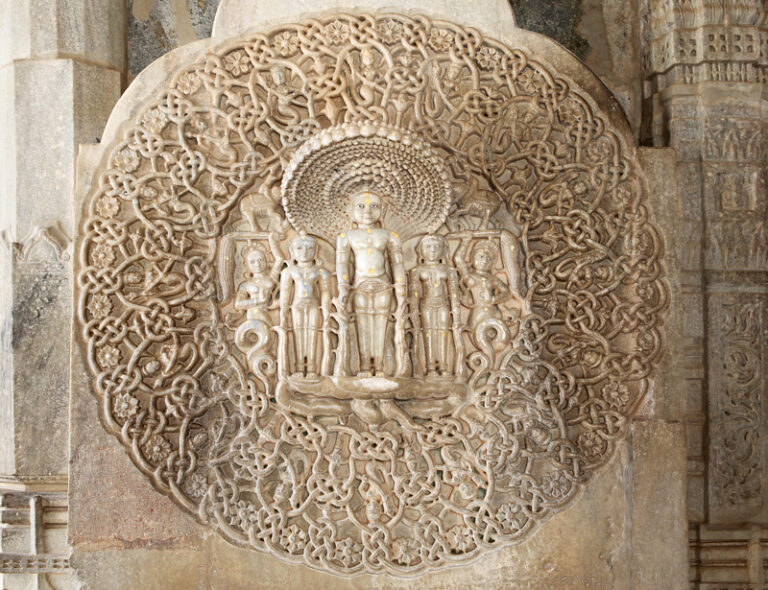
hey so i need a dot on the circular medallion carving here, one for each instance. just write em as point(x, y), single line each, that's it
point(372, 294)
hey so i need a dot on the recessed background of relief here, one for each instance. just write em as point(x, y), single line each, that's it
point(205, 386)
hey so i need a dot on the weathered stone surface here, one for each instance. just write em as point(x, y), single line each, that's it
point(154, 32)
point(658, 505)
point(697, 69)
point(237, 17)
point(85, 95)
point(87, 30)
point(559, 19)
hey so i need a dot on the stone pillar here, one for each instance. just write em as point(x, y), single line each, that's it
point(704, 95)
point(61, 66)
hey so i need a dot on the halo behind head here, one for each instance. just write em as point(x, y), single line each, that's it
point(344, 161)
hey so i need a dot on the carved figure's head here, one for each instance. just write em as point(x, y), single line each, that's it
point(278, 75)
point(432, 247)
point(304, 248)
point(453, 71)
point(484, 255)
point(255, 259)
point(366, 57)
point(366, 208)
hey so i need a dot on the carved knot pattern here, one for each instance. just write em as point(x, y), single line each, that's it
point(523, 149)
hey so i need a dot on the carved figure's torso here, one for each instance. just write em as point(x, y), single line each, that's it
point(433, 279)
point(305, 280)
point(369, 247)
point(483, 292)
point(254, 296)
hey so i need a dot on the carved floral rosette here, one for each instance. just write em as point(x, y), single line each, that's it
point(207, 158)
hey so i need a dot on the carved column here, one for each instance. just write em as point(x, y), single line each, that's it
point(705, 80)
point(61, 66)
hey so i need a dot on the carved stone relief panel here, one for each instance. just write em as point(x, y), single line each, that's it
point(370, 293)
point(737, 420)
point(736, 209)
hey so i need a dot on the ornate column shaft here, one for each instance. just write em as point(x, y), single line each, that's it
point(61, 66)
point(705, 96)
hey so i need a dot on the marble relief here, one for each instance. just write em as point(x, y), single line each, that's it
point(377, 293)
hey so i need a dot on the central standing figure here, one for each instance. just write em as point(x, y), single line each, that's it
point(373, 249)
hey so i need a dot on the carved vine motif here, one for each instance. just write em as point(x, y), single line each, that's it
point(207, 314)
point(737, 463)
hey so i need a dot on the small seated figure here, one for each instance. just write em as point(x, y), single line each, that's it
point(305, 296)
point(435, 308)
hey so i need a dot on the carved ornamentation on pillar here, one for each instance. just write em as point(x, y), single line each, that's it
point(374, 293)
point(737, 461)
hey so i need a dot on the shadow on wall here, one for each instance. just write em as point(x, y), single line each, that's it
point(155, 27)
point(558, 19)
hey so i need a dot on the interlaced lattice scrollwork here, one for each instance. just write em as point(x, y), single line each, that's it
point(195, 184)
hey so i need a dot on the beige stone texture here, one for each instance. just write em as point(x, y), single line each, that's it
point(37, 299)
point(237, 17)
point(687, 75)
point(86, 30)
point(606, 539)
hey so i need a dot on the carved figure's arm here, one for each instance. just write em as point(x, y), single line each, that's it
point(454, 296)
point(286, 295)
point(413, 299)
point(465, 291)
point(456, 327)
point(460, 258)
point(395, 248)
point(242, 299)
point(324, 282)
point(501, 292)
point(512, 256)
point(277, 251)
point(507, 294)
point(273, 302)
point(342, 270)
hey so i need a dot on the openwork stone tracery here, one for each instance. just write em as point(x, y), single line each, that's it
point(371, 294)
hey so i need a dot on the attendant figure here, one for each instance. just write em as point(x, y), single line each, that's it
point(481, 290)
point(305, 298)
point(254, 296)
point(435, 308)
point(371, 284)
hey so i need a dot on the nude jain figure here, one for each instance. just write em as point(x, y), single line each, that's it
point(305, 296)
point(371, 284)
point(435, 311)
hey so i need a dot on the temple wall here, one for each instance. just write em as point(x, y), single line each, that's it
point(684, 79)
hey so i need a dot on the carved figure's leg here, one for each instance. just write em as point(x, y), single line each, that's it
point(363, 318)
point(443, 336)
point(428, 318)
point(314, 323)
point(381, 304)
point(299, 338)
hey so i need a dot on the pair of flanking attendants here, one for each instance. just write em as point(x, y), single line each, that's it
point(433, 292)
